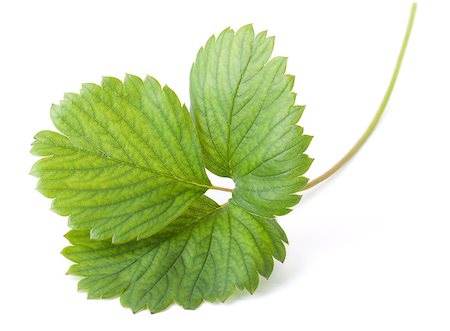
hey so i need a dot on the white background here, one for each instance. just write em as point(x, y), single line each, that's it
point(369, 249)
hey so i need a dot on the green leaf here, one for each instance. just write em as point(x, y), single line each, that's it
point(128, 163)
point(245, 116)
point(203, 255)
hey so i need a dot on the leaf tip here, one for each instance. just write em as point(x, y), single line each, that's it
point(246, 28)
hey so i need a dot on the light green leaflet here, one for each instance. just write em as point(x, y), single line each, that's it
point(245, 116)
point(130, 162)
point(129, 165)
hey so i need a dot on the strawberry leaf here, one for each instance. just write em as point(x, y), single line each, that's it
point(129, 165)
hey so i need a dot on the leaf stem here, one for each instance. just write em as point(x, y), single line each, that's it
point(378, 114)
point(221, 188)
